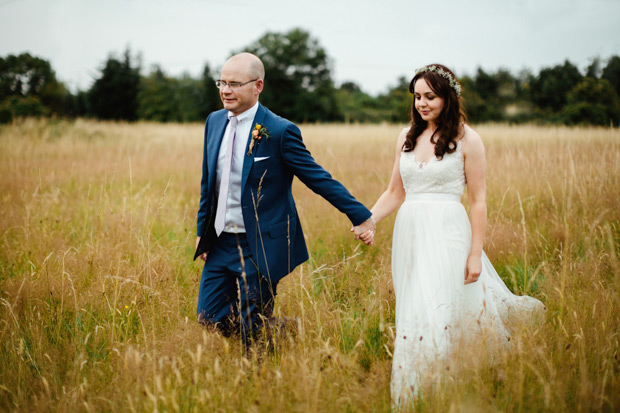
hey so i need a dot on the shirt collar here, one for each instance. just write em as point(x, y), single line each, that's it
point(248, 114)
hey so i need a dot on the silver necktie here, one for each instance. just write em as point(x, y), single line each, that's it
point(220, 215)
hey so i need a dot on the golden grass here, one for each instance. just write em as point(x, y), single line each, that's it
point(98, 290)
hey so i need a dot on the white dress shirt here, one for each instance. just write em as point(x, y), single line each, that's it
point(234, 217)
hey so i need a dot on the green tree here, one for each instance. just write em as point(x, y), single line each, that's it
point(197, 97)
point(549, 90)
point(114, 95)
point(209, 93)
point(611, 73)
point(157, 98)
point(163, 98)
point(28, 87)
point(594, 68)
point(398, 101)
point(20, 107)
point(485, 85)
point(592, 101)
point(475, 106)
point(357, 106)
point(189, 99)
point(79, 104)
point(298, 82)
point(492, 96)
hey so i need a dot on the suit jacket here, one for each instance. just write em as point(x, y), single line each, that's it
point(269, 213)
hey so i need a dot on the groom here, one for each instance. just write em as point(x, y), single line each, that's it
point(249, 234)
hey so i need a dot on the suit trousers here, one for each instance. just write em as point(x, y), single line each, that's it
point(233, 295)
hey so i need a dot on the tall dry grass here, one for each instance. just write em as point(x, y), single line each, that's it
point(98, 290)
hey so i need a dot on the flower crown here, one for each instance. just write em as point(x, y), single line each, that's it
point(454, 84)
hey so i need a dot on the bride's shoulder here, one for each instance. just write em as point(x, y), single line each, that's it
point(470, 141)
point(469, 137)
point(402, 136)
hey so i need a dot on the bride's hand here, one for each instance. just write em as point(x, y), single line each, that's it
point(473, 269)
point(365, 231)
point(368, 237)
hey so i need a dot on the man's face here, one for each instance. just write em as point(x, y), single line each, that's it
point(240, 99)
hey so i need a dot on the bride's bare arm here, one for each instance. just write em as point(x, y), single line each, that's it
point(475, 165)
point(394, 196)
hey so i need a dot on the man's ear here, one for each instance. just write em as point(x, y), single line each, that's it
point(259, 85)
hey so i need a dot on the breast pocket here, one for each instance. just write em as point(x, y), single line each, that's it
point(265, 167)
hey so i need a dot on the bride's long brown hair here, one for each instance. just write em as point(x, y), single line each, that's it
point(449, 120)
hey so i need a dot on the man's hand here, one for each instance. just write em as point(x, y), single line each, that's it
point(202, 256)
point(365, 231)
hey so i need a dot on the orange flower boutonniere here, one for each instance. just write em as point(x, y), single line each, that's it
point(259, 132)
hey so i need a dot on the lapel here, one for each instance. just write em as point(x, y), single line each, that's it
point(248, 160)
point(214, 141)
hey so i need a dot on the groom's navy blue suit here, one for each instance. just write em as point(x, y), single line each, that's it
point(274, 242)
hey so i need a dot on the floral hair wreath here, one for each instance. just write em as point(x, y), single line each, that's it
point(454, 84)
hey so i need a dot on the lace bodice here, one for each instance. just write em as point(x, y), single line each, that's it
point(446, 176)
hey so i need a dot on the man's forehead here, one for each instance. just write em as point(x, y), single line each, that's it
point(232, 71)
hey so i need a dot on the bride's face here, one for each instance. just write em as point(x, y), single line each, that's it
point(427, 103)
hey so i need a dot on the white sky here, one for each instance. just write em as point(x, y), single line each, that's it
point(371, 42)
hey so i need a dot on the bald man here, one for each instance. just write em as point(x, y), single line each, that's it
point(248, 230)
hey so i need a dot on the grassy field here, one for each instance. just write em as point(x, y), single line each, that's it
point(98, 289)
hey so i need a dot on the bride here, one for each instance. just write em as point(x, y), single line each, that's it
point(444, 284)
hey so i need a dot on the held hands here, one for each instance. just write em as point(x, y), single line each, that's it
point(365, 231)
point(473, 268)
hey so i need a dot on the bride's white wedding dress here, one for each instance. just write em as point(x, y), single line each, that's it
point(432, 239)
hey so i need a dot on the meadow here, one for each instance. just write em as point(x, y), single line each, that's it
point(98, 288)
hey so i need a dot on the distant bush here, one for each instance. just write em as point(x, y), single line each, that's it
point(592, 101)
point(28, 87)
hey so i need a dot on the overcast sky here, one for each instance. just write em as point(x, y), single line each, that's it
point(370, 42)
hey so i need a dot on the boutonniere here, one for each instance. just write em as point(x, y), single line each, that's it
point(259, 132)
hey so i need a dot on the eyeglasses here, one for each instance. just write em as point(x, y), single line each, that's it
point(233, 85)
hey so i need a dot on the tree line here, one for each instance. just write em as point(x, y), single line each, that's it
point(299, 86)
